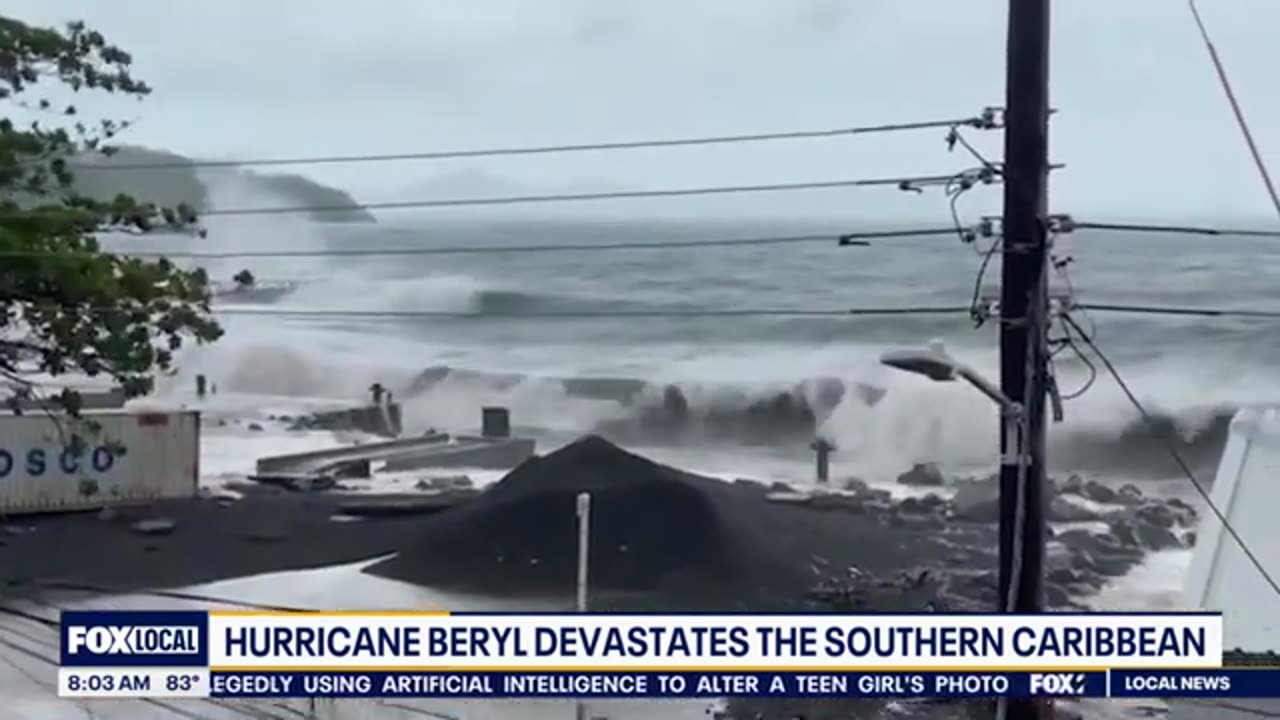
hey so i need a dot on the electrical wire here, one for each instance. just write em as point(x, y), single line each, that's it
point(589, 315)
point(851, 239)
point(1180, 311)
point(975, 310)
point(563, 315)
point(979, 122)
point(955, 189)
point(1235, 106)
point(1069, 343)
point(906, 182)
point(959, 185)
point(1176, 229)
point(1177, 458)
point(955, 137)
point(674, 314)
point(1020, 513)
point(1061, 267)
point(913, 181)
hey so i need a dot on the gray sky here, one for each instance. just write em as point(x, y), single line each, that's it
point(1143, 124)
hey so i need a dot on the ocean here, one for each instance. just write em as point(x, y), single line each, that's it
point(563, 375)
point(753, 391)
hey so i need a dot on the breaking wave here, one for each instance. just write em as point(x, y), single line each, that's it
point(1142, 446)
point(854, 413)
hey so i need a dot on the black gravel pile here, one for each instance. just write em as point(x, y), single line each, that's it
point(653, 528)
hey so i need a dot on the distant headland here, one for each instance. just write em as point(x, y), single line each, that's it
point(177, 180)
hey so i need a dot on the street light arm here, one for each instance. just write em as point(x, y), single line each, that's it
point(988, 389)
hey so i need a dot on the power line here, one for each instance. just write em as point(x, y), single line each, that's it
point(589, 315)
point(1235, 107)
point(1176, 311)
point(985, 121)
point(901, 182)
point(907, 182)
point(859, 239)
point(672, 313)
point(1177, 457)
point(1176, 229)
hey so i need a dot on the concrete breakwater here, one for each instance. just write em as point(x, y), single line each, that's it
point(378, 419)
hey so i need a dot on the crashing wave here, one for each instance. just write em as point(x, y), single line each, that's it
point(648, 412)
point(678, 412)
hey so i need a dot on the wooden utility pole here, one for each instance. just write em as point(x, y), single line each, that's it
point(1024, 313)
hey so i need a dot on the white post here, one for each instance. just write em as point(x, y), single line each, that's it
point(584, 547)
point(584, 542)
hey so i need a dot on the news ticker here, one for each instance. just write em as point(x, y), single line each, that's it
point(200, 683)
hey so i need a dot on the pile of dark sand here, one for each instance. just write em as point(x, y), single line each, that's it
point(656, 530)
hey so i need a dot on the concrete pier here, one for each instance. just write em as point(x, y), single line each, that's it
point(494, 449)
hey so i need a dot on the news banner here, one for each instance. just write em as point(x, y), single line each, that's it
point(442, 655)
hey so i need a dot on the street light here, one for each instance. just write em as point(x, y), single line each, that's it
point(935, 363)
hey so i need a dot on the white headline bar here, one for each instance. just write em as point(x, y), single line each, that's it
point(374, 641)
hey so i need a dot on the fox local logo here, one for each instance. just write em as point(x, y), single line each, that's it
point(133, 640)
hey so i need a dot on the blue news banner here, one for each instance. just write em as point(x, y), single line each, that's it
point(100, 658)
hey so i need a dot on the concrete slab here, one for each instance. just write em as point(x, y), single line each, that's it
point(486, 454)
point(316, 460)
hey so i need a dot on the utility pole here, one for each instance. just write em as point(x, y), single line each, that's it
point(1024, 314)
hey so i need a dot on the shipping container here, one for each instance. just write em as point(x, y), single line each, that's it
point(130, 458)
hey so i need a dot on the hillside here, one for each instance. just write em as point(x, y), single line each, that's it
point(179, 182)
point(166, 186)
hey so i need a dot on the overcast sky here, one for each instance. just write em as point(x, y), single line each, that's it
point(1143, 125)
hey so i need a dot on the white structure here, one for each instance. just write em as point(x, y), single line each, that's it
point(584, 553)
point(133, 457)
point(1247, 492)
